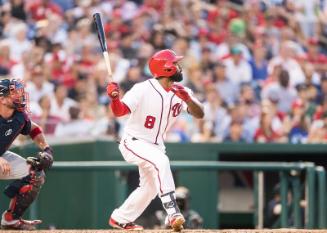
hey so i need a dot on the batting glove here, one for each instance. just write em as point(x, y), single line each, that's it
point(113, 90)
point(180, 91)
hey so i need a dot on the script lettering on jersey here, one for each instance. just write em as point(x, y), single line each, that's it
point(177, 108)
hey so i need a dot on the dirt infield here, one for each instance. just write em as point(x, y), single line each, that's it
point(184, 231)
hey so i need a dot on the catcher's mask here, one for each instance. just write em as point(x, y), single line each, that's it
point(14, 89)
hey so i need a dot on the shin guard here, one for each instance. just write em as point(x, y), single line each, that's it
point(22, 193)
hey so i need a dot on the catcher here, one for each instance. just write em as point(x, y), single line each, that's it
point(28, 175)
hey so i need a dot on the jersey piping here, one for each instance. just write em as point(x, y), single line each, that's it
point(162, 103)
point(155, 167)
point(171, 101)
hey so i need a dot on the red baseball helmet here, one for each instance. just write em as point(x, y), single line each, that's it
point(162, 63)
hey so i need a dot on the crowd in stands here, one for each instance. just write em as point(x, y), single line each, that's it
point(258, 66)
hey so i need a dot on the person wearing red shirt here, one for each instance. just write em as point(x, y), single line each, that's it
point(39, 9)
point(265, 132)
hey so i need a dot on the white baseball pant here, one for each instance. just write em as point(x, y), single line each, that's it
point(155, 177)
point(18, 165)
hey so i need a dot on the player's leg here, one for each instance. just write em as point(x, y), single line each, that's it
point(22, 192)
point(168, 196)
point(136, 202)
point(147, 155)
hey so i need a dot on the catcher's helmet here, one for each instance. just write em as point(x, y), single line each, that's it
point(163, 63)
point(14, 89)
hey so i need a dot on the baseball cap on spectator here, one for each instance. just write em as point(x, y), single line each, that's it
point(235, 50)
point(237, 27)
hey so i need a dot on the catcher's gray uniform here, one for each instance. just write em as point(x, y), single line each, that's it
point(18, 165)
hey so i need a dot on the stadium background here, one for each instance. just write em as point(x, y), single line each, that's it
point(258, 66)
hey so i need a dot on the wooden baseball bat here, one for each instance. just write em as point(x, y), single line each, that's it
point(103, 42)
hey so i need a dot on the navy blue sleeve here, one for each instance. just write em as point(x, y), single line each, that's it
point(27, 125)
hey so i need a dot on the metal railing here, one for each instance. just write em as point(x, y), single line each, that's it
point(259, 168)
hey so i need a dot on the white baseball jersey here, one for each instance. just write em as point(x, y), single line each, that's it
point(153, 111)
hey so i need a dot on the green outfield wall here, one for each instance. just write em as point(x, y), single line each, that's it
point(84, 199)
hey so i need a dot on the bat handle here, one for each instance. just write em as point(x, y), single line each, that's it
point(107, 61)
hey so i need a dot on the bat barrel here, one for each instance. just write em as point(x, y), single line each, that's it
point(100, 31)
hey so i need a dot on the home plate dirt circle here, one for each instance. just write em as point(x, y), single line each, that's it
point(184, 231)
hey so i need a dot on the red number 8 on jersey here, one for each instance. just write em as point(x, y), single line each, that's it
point(149, 122)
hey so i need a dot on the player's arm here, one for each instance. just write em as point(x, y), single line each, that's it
point(117, 107)
point(38, 137)
point(194, 106)
point(45, 157)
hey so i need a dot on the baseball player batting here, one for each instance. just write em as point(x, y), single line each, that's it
point(28, 175)
point(153, 106)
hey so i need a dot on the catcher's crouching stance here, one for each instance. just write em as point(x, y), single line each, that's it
point(153, 106)
point(29, 175)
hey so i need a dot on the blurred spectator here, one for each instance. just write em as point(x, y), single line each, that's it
point(265, 133)
point(60, 103)
point(38, 86)
point(107, 126)
point(299, 123)
point(318, 130)
point(6, 63)
point(323, 89)
point(39, 9)
point(76, 126)
point(235, 133)
point(244, 48)
point(228, 90)
point(287, 61)
point(18, 41)
point(214, 113)
point(44, 118)
point(314, 56)
point(18, 9)
point(281, 92)
point(133, 76)
point(238, 69)
point(196, 81)
point(306, 15)
point(259, 64)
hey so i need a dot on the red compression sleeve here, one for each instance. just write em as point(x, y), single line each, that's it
point(119, 108)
